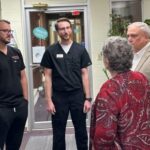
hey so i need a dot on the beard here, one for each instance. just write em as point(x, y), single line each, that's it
point(5, 41)
point(66, 37)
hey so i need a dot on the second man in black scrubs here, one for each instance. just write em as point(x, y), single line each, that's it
point(67, 86)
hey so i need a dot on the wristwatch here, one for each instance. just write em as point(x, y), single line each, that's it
point(89, 99)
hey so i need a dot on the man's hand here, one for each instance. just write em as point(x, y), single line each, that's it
point(87, 106)
point(51, 107)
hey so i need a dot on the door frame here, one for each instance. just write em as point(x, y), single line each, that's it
point(31, 121)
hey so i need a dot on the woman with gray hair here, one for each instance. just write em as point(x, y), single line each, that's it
point(120, 118)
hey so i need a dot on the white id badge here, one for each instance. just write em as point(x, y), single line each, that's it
point(59, 56)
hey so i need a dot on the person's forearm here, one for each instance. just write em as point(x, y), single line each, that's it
point(48, 84)
point(48, 89)
point(86, 83)
point(24, 85)
point(86, 86)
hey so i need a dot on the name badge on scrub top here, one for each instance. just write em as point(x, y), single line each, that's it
point(59, 56)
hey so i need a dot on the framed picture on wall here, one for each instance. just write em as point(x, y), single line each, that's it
point(38, 52)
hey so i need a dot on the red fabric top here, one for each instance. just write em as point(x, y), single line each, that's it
point(120, 118)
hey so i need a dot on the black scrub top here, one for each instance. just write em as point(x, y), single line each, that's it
point(10, 72)
point(66, 68)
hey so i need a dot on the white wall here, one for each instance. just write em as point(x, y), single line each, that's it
point(145, 9)
point(99, 26)
point(12, 11)
point(54, 2)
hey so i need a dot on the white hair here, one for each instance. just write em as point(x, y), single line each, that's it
point(143, 26)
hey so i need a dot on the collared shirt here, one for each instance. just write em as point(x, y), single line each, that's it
point(137, 56)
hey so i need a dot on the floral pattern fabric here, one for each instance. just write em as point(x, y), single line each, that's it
point(120, 118)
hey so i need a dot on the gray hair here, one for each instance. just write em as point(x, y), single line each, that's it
point(119, 53)
point(143, 26)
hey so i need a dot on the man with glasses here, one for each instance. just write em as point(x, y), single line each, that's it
point(13, 91)
point(67, 86)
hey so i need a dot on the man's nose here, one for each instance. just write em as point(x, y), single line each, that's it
point(65, 29)
point(129, 38)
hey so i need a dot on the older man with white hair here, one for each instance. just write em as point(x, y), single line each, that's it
point(139, 37)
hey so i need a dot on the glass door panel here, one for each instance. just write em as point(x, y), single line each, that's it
point(41, 23)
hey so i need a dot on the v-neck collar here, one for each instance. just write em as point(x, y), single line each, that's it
point(5, 53)
point(63, 50)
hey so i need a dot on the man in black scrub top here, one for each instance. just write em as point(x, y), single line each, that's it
point(67, 86)
point(13, 92)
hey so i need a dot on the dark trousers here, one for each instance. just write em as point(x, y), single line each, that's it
point(64, 103)
point(12, 123)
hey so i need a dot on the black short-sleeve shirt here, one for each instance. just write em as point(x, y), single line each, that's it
point(10, 72)
point(66, 68)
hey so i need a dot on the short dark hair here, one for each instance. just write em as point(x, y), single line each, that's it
point(119, 54)
point(61, 20)
point(6, 21)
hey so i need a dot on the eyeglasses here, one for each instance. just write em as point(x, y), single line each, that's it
point(7, 31)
